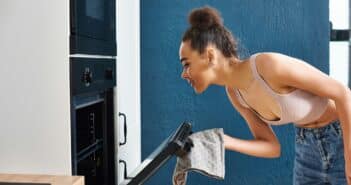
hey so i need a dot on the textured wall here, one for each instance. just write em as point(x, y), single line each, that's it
point(298, 28)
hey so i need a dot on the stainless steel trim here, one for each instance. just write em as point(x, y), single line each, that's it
point(92, 56)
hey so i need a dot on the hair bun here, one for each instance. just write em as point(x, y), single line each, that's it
point(205, 18)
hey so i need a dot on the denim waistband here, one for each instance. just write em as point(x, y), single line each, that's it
point(334, 125)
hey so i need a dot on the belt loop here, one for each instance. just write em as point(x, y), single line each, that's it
point(301, 133)
point(336, 126)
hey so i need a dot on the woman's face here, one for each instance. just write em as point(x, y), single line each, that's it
point(196, 68)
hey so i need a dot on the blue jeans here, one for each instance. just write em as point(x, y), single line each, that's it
point(319, 156)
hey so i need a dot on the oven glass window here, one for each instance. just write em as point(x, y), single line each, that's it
point(89, 126)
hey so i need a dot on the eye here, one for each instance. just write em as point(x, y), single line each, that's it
point(186, 65)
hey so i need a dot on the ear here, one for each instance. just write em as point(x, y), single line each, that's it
point(210, 55)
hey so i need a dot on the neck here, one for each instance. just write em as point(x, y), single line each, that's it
point(236, 73)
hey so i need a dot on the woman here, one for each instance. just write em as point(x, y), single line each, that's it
point(273, 89)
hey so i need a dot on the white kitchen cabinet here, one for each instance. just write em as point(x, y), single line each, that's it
point(128, 82)
point(35, 94)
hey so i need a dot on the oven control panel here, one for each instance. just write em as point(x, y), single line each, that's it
point(90, 74)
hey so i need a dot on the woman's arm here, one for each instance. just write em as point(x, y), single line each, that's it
point(265, 143)
point(292, 72)
point(256, 147)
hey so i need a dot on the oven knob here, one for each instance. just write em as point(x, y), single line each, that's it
point(87, 77)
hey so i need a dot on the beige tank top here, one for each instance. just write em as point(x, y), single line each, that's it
point(298, 106)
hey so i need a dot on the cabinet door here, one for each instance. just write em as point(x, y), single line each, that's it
point(128, 85)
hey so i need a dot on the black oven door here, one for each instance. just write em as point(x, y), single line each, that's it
point(93, 25)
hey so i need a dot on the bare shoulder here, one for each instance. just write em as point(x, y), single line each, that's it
point(286, 71)
point(273, 62)
point(271, 65)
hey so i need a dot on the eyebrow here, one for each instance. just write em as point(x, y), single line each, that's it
point(182, 59)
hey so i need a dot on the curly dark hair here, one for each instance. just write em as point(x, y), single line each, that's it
point(207, 28)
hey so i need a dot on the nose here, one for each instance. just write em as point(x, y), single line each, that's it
point(184, 74)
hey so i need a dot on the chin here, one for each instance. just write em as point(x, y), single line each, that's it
point(199, 90)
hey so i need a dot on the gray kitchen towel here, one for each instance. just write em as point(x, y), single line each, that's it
point(205, 157)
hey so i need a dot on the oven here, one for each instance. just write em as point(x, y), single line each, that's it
point(92, 119)
point(93, 27)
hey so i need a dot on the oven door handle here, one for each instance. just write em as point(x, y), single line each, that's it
point(125, 169)
point(125, 128)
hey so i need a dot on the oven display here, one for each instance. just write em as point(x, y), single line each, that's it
point(95, 9)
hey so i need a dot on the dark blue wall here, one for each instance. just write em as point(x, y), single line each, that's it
point(294, 27)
